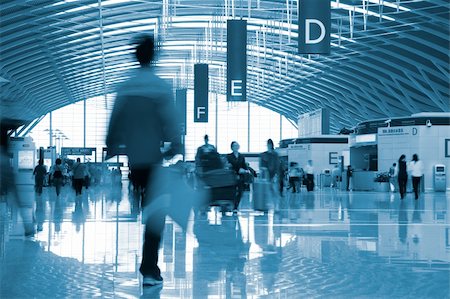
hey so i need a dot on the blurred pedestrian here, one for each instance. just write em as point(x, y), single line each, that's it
point(270, 161)
point(416, 167)
point(9, 189)
point(57, 174)
point(402, 176)
point(143, 118)
point(80, 173)
point(294, 177)
point(205, 148)
point(309, 170)
point(237, 162)
point(349, 176)
point(336, 176)
point(282, 169)
point(392, 175)
point(207, 158)
point(39, 172)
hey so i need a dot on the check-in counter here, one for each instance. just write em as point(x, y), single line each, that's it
point(363, 180)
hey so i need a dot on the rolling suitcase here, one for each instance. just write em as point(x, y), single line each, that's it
point(261, 195)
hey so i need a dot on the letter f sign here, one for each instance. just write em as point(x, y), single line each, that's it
point(200, 111)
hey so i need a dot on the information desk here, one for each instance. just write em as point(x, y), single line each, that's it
point(363, 180)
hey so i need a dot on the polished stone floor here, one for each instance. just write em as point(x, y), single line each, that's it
point(325, 244)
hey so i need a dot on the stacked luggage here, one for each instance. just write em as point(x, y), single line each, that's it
point(220, 182)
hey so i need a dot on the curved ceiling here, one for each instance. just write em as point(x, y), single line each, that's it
point(388, 58)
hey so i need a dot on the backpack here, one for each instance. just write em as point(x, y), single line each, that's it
point(57, 174)
point(391, 171)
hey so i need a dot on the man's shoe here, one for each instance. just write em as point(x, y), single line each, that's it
point(152, 281)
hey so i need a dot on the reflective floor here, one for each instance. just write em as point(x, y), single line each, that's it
point(329, 244)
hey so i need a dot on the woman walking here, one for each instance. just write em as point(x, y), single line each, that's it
point(79, 176)
point(39, 175)
point(57, 175)
point(402, 176)
point(237, 162)
point(416, 173)
point(309, 169)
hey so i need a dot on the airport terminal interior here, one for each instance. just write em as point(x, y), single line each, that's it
point(225, 149)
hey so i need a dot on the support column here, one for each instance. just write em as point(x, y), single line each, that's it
point(248, 126)
point(84, 128)
point(281, 127)
point(217, 120)
point(51, 130)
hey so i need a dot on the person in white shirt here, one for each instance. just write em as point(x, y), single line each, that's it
point(416, 168)
point(309, 169)
point(294, 177)
point(336, 176)
point(79, 176)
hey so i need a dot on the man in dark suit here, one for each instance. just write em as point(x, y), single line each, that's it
point(237, 162)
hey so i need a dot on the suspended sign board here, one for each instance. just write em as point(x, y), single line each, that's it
point(77, 151)
point(314, 26)
point(201, 89)
point(236, 60)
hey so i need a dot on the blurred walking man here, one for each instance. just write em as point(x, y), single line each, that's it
point(143, 117)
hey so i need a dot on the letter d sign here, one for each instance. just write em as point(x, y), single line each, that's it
point(314, 19)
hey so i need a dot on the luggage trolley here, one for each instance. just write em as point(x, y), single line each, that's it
point(221, 182)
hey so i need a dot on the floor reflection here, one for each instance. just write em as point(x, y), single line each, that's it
point(321, 244)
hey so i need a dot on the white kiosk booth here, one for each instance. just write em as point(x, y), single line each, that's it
point(377, 144)
point(325, 151)
point(23, 154)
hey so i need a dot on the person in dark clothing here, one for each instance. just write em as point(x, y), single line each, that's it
point(416, 168)
point(349, 175)
point(205, 148)
point(207, 158)
point(237, 162)
point(143, 117)
point(402, 176)
point(39, 173)
point(57, 174)
point(282, 169)
point(270, 161)
point(79, 175)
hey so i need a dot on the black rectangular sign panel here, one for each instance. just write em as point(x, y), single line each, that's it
point(314, 26)
point(201, 88)
point(236, 60)
point(180, 103)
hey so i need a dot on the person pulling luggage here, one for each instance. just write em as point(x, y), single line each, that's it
point(270, 161)
point(237, 162)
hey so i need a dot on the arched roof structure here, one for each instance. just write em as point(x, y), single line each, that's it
point(388, 57)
